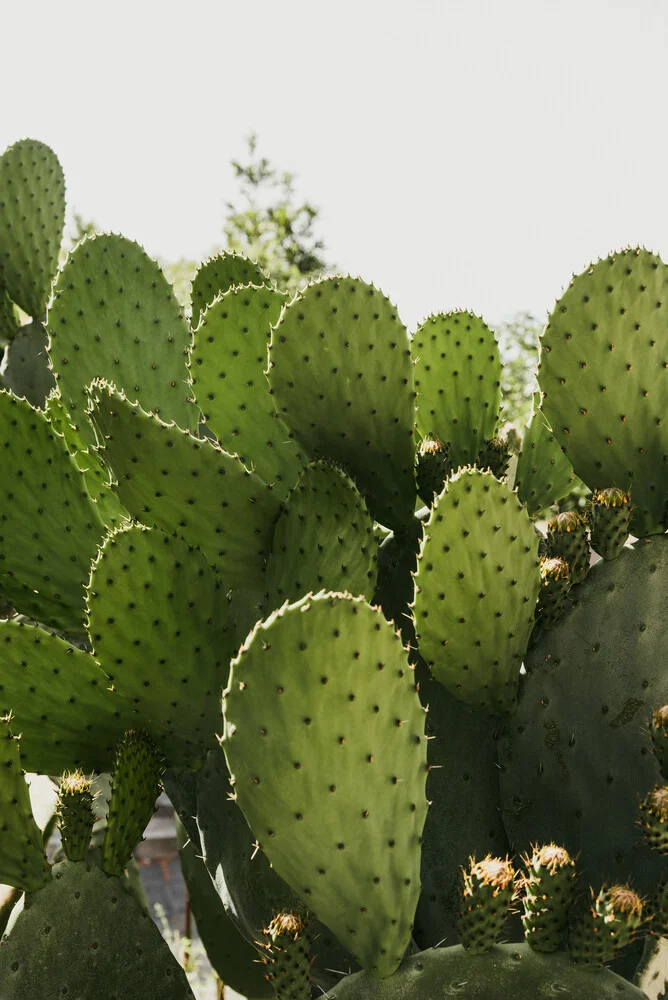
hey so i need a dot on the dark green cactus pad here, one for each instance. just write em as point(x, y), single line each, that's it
point(659, 734)
point(568, 539)
point(50, 527)
point(173, 671)
point(232, 957)
point(247, 885)
point(555, 583)
point(229, 359)
point(544, 474)
point(610, 513)
point(323, 539)
point(135, 786)
point(114, 316)
point(495, 456)
point(548, 887)
point(22, 859)
point(9, 321)
point(487, 892)
point(576, 757)
point(477, 585)
point(25, 365)
point(604, 377)
point(432, 469)
point(331, 717)
point(285, 954)
point(217, 274)
point(85, 936)
point(458, 381)
point(342, 377)
point(32, 200)
point(653, 819)
point(75, 814)
point(168, 478)
point(507, 970)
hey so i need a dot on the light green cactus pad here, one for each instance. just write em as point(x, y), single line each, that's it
point(25, 365)
point(22, 859)
point(114, 316)
point(217, 274)
point(86, 936)
point(323, 540)
point(168, 478)
point(50, 527)
point(229, 359)
point(604, 376)
point(544, 474)
point(157, 621)
point(32, 198)
point(324, 738)
point(458, 382)
point(477, 585)
point(342, 377)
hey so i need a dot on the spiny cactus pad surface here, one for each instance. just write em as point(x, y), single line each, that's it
point(25, 364)
point(217, 274)
point(325, 743)
point(544, 474)
point(22, 861)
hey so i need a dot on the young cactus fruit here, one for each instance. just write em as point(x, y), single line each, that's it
point(495, 455)
point(658, 926)
point(659, 733)
point(555, 582)
point(549, 884)
point(610, 923)
point(487, 894)
point(567, 539)
point(75, 814)
point(286, 957)
point(433, 468)
point(610, 520)
point(654, 819)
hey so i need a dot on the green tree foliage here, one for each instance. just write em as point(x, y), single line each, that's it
point(518, 346)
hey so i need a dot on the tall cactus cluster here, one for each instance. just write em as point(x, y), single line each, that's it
point(275, 556)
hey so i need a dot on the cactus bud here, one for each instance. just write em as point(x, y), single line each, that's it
point(74, 810)
point(555, 583)
point(433, 468)
point(567, 539)
point(286, 957)
point(659, 733)
point(488, 891)
point(610, 519)
point(495, 456)
point(548, 885)
point(654, 818)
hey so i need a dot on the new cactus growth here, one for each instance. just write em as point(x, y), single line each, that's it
point(488, 891)
point(555, 582)
point(658, 730)
point(495, 456)
point(654, 819)
point(433, 468)
point(285, 954)
point(610, 517)
point(75, 814)
point(548, 887)
point(610, 921)
point(568, 539)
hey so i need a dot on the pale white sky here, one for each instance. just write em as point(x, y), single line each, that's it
point(463, 153)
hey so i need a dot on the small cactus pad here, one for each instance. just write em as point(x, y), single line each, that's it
point(50, 527)
point(458, 381)
point(433, 468)
point(25, 365)
point(477, 585)
point(229, 359)
point(114, 316)
point(604, 377)
point(75, 814)
point(322, 689)
point(659, 732)
point(323, 540)
point(495, 456)
point(22, 859)
point(544, 474)
point(85, 936)
point(32, 199)
point(219, 273)
point(610, 515)
point(607, 925)
point(135, 786)
point(168, 478)
point(342, 377)
point(548, 887)
point(172, 670)
point(506, 971)
point(568, 539)
point(487, 893)
point(654, 819)
point(555, 582)
point(286, 958)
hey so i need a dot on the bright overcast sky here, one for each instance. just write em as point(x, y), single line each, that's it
point(463, 153)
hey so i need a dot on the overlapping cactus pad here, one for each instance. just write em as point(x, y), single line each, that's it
point(219, 273)
point(325, 744)
point(23, 862)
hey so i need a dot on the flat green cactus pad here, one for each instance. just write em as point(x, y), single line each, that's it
point(544, 474)
point(25, 365)
point(508, 970)
point(32, 197)
point(22, 859)
point(114, 316)
point(323, 540)
point(85, 936)
point(342, 376)
point(182, 484)
point(50, 526)
point(477, 586)
point(604, 377)
point(575, 756)
point(219, 273)
point(229, 359)
point(458, 382)
point(324, 738)
point(156, 617)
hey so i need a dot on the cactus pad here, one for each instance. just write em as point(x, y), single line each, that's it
point(544, 474)
point(25, 365)
point(22, 859)
point(219, 273)
point(324, 688)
